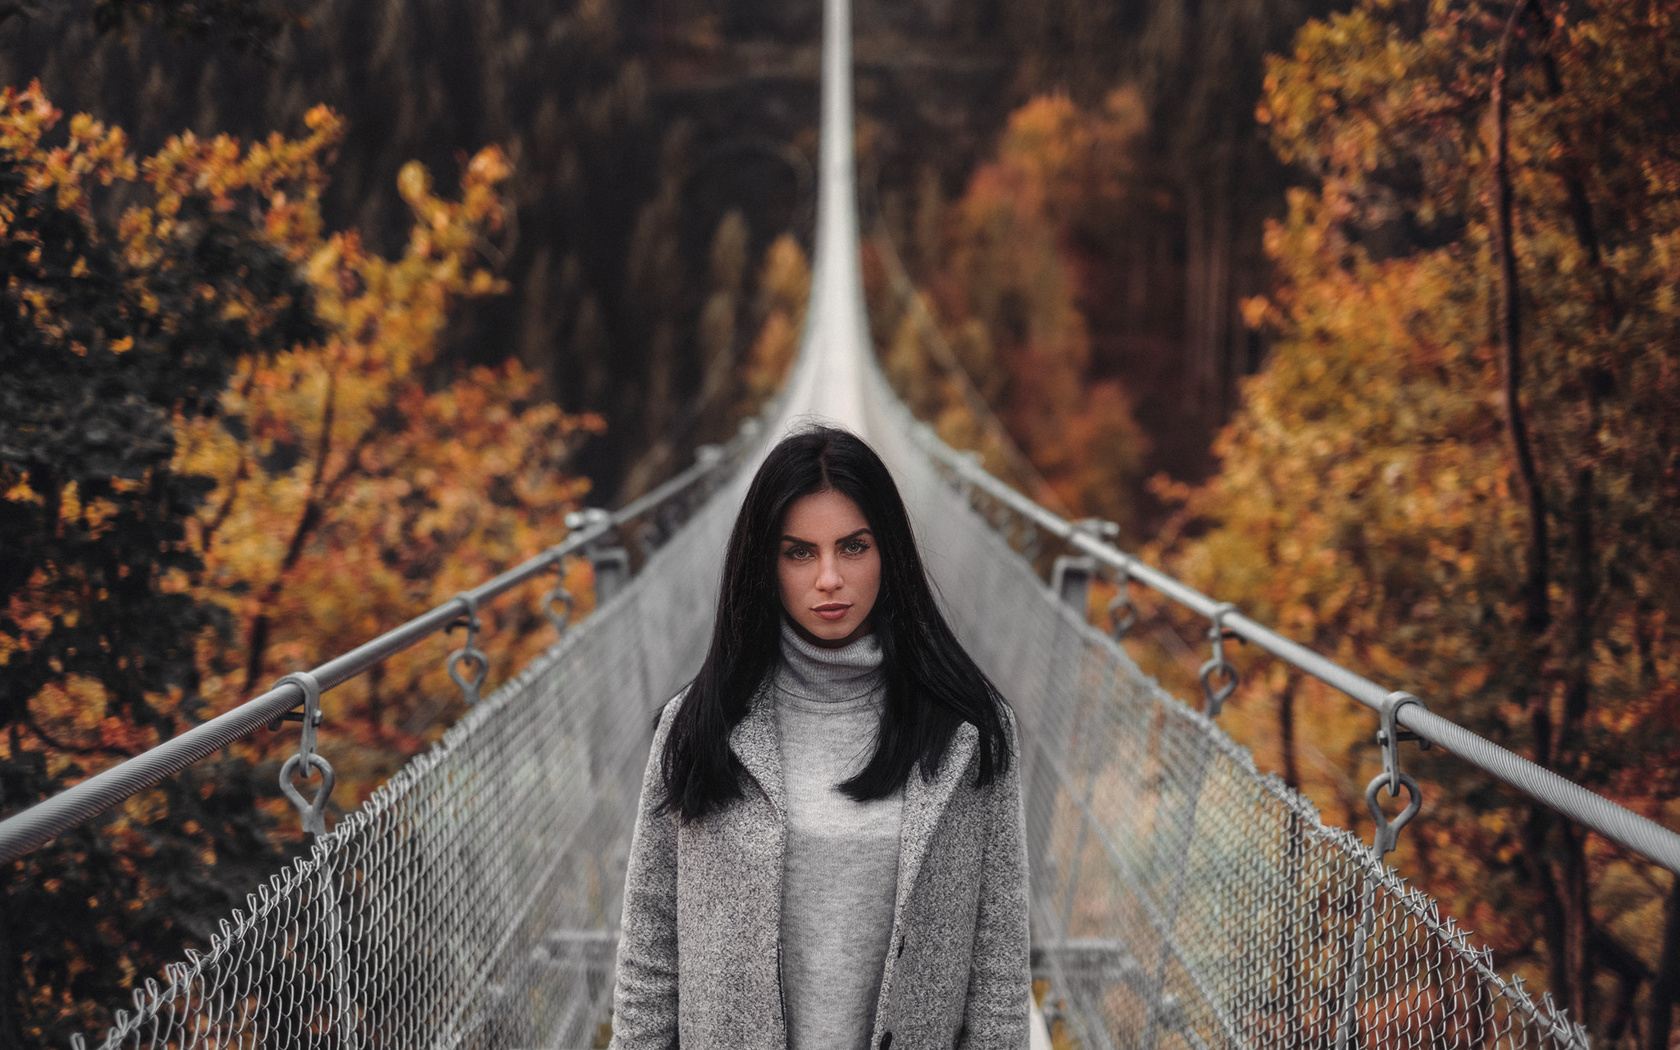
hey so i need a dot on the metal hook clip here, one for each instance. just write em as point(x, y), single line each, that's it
point(313, 811)
point(1389, 736)
point(1122, 604)
point(587, 518)
point(1216, 697)
point(965, 483)
point(562, 621)
point(468, 653)
point(1098, 528)
point(1387, 832)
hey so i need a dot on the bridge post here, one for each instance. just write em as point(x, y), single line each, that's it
point(1070, 579)
point(612, 572)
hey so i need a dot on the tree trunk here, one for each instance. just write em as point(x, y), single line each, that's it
point(1562, 911)
point(1137, 284)
point(1578, 658)
point(376, 698)
point(1579, 958)
point(1554, 925)
point(1536, 616)
point(1195, 285)
point(1217, 305)
point(1286, 732)
point(1589, 946)
point(11, 987)
point(1665, 987)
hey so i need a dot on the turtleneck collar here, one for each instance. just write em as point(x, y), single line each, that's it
point(828, 675)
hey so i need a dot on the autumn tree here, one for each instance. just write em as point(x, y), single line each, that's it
point(612, 152)
point(1007, 294)
point(1178, 268)
point(175, 541)
point(1453, 471)
point(784, 286)
point(108, 337)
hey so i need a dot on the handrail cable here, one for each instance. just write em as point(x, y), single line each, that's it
point(40, 823)
point(1618, 823)
point(467, 900)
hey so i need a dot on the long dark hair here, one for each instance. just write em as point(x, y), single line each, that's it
point(932, 685)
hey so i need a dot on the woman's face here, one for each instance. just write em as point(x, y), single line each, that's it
point(829, 569)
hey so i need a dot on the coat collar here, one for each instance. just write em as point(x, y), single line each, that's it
point(924, 803)
point(758, 744)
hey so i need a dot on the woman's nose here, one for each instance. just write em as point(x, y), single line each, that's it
point(828, 575)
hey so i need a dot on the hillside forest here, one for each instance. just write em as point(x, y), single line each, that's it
point(1364, 316)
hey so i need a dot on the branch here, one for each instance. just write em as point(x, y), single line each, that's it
point(208, 534)
point(101, 750)
point(1575, 174)
point(257, 640)
point(1536, 611)
point(1630, 971)
point(1665, 987)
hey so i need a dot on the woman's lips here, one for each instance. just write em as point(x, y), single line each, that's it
point(832, 612)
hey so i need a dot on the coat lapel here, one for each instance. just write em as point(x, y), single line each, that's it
point(757, 744)
point(924, 804)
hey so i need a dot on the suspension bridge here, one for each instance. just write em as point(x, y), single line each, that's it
point(1179, 897)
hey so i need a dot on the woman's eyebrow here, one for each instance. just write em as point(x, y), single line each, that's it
point(865, 531)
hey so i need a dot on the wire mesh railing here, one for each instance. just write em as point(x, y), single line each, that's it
point(1034, 529)
point(1181, 898)
point(473, 899)
point(648, 521)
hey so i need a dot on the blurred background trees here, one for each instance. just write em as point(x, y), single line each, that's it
point(281, 393)
point(223, 457)
point(636, 128)
point(1458, 467)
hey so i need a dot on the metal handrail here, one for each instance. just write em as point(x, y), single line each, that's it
point(81, 802)
point(1615, 822)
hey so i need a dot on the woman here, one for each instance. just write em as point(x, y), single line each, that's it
point(829, 853)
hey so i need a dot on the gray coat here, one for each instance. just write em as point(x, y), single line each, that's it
point(699, 957)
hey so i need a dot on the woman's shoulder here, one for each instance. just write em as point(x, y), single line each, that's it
point(1006, 714)
point(1008, 725)
point(668, 714)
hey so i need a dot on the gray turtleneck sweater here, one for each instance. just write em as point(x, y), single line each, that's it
point(840, 869)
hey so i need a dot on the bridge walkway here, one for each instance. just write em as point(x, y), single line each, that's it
point(1180, 898)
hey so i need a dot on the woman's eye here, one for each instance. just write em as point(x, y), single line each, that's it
point(855, 547)
point(797, 553)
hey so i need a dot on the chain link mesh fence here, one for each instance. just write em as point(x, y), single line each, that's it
point(1180, 899)
point(473, 900)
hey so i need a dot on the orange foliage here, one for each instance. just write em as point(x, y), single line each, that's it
point(341, 483)
point(1008, 293)
point(351, 489)
point(784, 284)
point(1369, 503)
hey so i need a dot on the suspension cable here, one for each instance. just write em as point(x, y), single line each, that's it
point(1615, 822)
point(75, 805)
